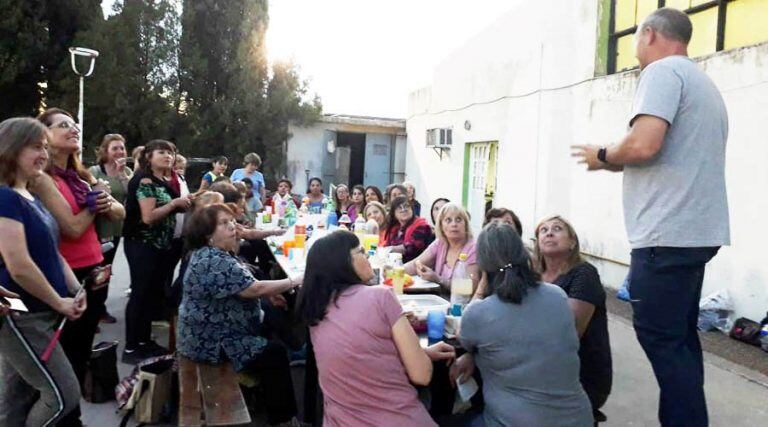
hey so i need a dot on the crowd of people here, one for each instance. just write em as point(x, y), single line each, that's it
point(535, 335)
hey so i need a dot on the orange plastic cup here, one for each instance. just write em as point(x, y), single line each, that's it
point(287, 245)
point(299, 240)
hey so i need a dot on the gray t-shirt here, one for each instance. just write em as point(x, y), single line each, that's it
point(528, 356)
point(678, 198)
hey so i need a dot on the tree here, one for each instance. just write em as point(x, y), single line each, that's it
point(23, 42)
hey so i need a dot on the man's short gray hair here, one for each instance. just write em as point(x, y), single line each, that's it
point(671, 23)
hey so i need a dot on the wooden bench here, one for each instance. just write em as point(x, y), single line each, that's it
point(209, 395)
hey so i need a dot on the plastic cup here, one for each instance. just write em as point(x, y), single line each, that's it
point(435, 325)
point(90, 199)
point(300, 240)
point(287, 245)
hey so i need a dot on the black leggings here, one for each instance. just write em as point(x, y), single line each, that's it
point(149, 272)
point(273, 367)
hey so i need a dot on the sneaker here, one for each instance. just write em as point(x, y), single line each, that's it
point(108, 318)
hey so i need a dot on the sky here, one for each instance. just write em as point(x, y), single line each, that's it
point(363, 57)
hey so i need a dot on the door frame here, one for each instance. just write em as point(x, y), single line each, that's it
point(491, 170)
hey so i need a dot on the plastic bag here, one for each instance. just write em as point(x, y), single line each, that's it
point(715, 312)
point(623, 293)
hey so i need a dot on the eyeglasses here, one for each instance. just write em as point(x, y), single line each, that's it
point(230, 225)
point(65, 125)
point(403, 208)
point(357, 251)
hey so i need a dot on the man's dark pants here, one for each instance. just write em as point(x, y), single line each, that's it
point(665, 288)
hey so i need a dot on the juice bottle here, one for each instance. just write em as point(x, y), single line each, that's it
point(461, 285)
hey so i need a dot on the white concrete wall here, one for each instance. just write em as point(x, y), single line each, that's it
point(494, 82)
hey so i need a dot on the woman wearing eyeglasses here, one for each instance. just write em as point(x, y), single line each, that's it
point(407, 234)
point(220, 316)
point(82, 250)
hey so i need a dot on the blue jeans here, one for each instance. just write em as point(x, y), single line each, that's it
point(665, 288)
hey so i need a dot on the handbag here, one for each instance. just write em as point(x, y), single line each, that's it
point(151, 392)
point(101, 377)
point(747, 331)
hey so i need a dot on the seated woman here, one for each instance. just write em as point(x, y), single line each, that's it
point(435, 209)
point(341, 199)
point(368, 356)
point(394, 191)
point(284, 187)
point(530, 384)
point(316, 197)
point(454, 237)
point(407, 234)
point(357, 207)
point(503, 216)
point(377, 212)
point(558, 258)
point(373, 194)
point(411, 193)
point(220, 315)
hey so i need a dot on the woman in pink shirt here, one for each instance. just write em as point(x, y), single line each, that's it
point(368, 356)
point(454, 238)
point(79, 246)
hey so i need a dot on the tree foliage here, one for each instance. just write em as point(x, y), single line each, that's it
point(192, 71)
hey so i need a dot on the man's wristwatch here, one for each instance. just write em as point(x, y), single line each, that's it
point(601, 153)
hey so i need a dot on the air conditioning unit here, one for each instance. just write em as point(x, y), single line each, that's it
point(440, 137)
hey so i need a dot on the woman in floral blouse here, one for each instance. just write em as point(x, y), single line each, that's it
point(220, 317)
point(407, 234)
point(151, 204)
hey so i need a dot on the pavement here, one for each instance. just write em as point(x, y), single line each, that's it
point(736, 374)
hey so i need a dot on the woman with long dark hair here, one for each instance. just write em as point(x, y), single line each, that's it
point(535, 384)
point(315, 194)
point(153, 199)
point(367, 353)
point(357, 207)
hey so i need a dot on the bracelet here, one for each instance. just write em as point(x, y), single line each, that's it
point(601, 153)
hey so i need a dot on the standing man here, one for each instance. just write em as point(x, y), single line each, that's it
point(675, 206)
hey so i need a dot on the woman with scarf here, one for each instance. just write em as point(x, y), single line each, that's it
point(75, 203)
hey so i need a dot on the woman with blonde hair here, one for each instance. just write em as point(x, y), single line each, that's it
point(454, 237)
point(377, 212)
point(557, 256)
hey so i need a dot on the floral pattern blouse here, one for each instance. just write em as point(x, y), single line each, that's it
point(159, 235)
point(215, 324)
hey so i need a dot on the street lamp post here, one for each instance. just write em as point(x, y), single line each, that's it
point(91, 54)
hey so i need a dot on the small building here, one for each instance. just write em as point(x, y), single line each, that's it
point(346, 149)
point(496, 125)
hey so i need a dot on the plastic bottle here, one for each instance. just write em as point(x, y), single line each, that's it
point(371, 227)
point(281, 209)
point(360, 226)
point(345, 221)
point(461, 286)
point(398, 274)
point(375, 261)
point(333, 220)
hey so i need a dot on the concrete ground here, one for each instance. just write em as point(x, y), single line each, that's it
point(737, 395)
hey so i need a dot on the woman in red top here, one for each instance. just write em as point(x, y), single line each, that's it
point(407, 234)
point(80, 247)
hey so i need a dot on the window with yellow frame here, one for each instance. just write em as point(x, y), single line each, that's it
point(717, 25)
